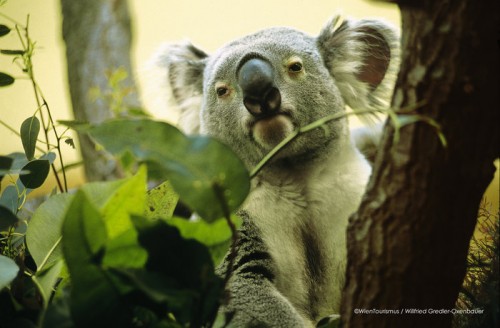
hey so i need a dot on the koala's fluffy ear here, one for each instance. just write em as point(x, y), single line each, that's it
point(177, 69)
point(363, 58)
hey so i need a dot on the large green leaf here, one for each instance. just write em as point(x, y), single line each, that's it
point(123, 249)
point(8, 271)
point(94, 298)
point(187, 270)
point(115, 200)
point(128, 199)
point(44, 231)
point(46, 279)
point(29, 133)
point(206, 174)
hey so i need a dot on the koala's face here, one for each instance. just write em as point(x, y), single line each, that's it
point(259, 89)
point(255, 91)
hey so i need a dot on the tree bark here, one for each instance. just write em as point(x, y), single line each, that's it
point(98, 39)
point(408, 242)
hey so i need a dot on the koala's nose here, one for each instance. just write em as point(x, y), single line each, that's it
point(260, 95)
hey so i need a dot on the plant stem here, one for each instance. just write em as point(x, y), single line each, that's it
point(28, 47)
point(58, 147)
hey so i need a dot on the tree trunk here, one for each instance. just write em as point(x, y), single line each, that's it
point(408, 243)
point(98, 37)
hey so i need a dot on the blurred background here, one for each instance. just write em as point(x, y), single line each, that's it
point(207, 24)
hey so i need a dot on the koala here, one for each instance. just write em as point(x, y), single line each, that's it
point(289, 265)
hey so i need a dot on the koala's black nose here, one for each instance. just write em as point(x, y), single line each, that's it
point(260, 95)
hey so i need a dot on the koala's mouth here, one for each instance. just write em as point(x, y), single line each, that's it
point(270, 130)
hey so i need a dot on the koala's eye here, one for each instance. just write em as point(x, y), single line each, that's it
point(295, 67)
point(222, 91)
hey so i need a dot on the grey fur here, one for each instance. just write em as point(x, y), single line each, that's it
point(290, 260)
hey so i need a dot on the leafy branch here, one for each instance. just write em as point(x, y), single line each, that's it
point(400, 118)
point(31, 126)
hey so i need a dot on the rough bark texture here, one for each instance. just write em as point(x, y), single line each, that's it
point(408, 243)
point(98, 38)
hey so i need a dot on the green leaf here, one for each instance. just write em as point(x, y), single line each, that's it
point(403, 120)
point(75, 124)
point(209, 234)
point(94, 298)
point(39, 170)
point(46, 279)
point(128, 199)
point(217, 236)
point(7, 218)
point(161, 201)
point(58, 312)
point(5, 165)
point(187, 267)
point(332, 321)
point(4, 30)
point(19, 159)
point(123, 249)
point(205, 173)
point(44, 231)
point(6, 79)
point(29, 133)
point(50, 156)
point(12, 52)
point(8, 271)
point(9, 198)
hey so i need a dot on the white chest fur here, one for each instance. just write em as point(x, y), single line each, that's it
point(310, 204)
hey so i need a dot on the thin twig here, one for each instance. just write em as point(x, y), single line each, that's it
point(28, 48)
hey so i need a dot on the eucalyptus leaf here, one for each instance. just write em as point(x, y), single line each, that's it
point(8, 271)
point(205, 173)
point(50, 156)
point(44, 232)
point(6, 79)
point(4, 30)
point(29, 133)
point(12, 52)
point(217, 236)
point(19, 160)
point(94, 299)
point(168, 252)
point(404, 120)
point(161, 201)
point(9, 198)
point(7, 218)
point(46, 279)
point(122, 199)
point(39, 170)
point(5, 165)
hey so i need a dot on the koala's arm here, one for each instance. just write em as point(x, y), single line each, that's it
point(252, 298)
